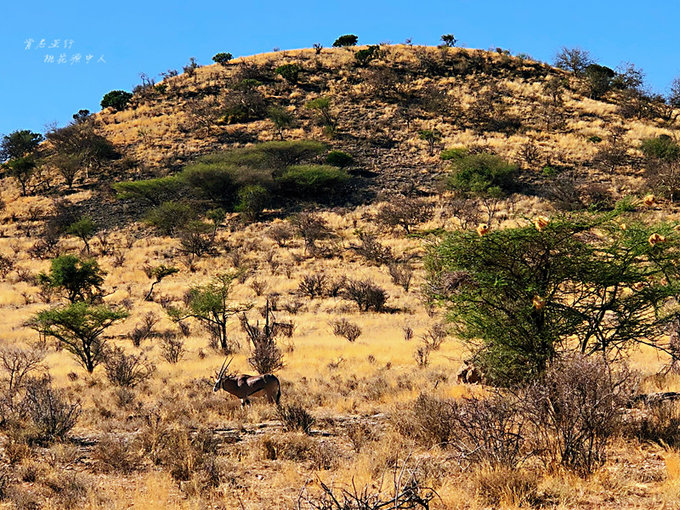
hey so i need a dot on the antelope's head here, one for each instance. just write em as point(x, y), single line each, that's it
point(220, 375)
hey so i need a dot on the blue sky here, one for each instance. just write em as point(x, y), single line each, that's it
point(153, 36)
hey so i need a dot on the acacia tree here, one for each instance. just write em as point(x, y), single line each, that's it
point(78, 328)
point(210, 305)
point(81, 280)
point(523, 296)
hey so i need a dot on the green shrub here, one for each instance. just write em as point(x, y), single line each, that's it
point(214, 181)
point(252, 199)
point(482, 173)
point(346, 40)
point(662, 148)
point(222, 58)
point(595, 139)
point(152, 191)
point(116, 99)
point(454, 154)
point(289, 72)
point(364, 56)
point(170, 217)
point(310, 180)
point(80, 280)
point(339, 158)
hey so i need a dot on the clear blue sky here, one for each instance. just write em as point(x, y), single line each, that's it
point(152, 36)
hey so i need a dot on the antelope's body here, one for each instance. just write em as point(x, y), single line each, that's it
point(244, 386)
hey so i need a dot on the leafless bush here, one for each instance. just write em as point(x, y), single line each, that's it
point(281, 233)
point(529, 153)
point(466, 211)
point(172, 348)
point(434, 337)
point(258, 286)
point(564, 191)
point(405, 212)
point(16, 364)
point(335, 286)
point(658, 422)
point(312, 228)
point(346, 329)
point(52, 415)
point(266, 357)
point(127, 370)
point(408, 333)
point(401, 274)
point(6, 265)
point(372, 250)
point(422, 356)
point(293, 307)
point(576, 409)
point(366, 295)
point(312, 285)
point(144, 330)
point(406, 493)
point(295, 417)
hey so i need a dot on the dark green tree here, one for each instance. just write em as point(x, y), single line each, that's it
point(448, 40)
point(281, 119)
point(222, 58)
point(116, 99)
point(22, 169)
point(19, 144)
point(346, 40)
point(80, 280)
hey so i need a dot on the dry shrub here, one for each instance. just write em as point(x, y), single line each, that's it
point(657, 423)
point(70, 489)
point(117, 454)
point(51, 413)
point(404, 212)
point(576, 409)
point(360, 434)
point(312, 285)
point(372, 250)
point(295, 417)
point(503, 486)
point(366, 295)
point(144, 330)
point(299, 447)
point(401, 274)
point(281, 233)
point(127, 370)
point(487, 430)
point(172, 348)
point(434, 337)
point(346, 329)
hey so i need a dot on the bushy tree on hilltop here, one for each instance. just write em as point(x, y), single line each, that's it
point(346, 40)
point(116, 99)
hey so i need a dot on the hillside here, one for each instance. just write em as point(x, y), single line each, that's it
point(220, 215)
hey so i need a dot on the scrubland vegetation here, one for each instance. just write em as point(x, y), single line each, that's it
point(462, 266)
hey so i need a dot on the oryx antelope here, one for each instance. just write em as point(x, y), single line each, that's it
point(244, 386)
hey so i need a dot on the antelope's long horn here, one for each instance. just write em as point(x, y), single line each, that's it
point(222, 368)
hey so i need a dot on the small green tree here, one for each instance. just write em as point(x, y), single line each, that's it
point(222, 58)
point(346, 40)
point(22, 169)
point(522, 296)
point(322, 105)
point(431, 136)
point(289, 72)
point(210, 305)
point(80, 280)
point(281, 119)
point(363, 57)
point(170, 217)
point(116, 99)
point(158, 273)
point(662, 148)
point(598, 80)
point(78, 328)
point(84, 229)
point(339, 158)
